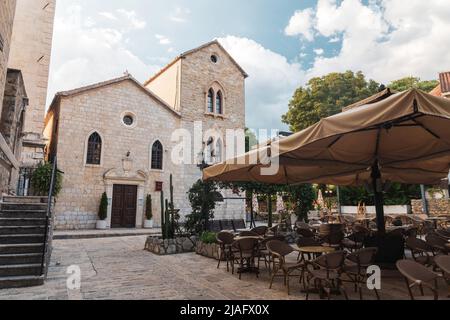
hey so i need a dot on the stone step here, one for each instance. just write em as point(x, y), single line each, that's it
point(22, 258)
point(23, 214)
point(23, 206)
point(21, 238)
point(22, 222)
point(20, 270)
point(15, 199)
point(16, 230)
point(21, 248)
point(21, 282)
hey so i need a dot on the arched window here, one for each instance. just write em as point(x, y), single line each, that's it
point(219, 151)
point(219, 103)
point(211, 101)
point(94, 149)
point(157, 156)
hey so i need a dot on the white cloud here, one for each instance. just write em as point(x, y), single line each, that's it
point(385, 39)
point(180, 15)
point(301, 24)
point(271, 84)
point(84, 55)
point(163, 39)
point(319, 51)
point(108, 15)
point(132, 18)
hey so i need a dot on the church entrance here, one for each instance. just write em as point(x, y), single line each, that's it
point(124, 206)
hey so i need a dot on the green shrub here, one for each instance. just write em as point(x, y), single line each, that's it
point(42, 177)
point(103, 210)
point(149, 208)
point(208, 237)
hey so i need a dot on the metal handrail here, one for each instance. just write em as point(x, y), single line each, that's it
point(49, 213)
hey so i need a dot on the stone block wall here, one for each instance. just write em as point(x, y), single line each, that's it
point(436, 207)
point(7, 11)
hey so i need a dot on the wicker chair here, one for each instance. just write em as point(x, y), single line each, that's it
point(248, 234)
point(354, 241)
point(306, 233)
point(264, 253)
point(417, 275)
point(279, 251)
point(443, 234)
point(247, 253)
point(443, 263)
point(421, 251)
point(325, 272)
point(261, 231)
point(226, 240)
point(437, 243)
point(307, 242)
point(356, 268)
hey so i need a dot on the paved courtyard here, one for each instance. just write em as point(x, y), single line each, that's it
point(119, 268)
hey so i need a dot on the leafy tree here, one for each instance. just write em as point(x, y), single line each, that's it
point(303, 197)
point(41, 179)
point(398, 194)
point(327, 96)
point(202, 197)
point(250, 139)
point(413, 82)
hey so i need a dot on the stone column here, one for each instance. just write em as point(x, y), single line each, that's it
point(140, 207)
point(109, 193)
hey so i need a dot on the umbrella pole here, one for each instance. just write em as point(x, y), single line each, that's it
point(379, 199)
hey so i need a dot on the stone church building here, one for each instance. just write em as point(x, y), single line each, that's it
point(116, 137)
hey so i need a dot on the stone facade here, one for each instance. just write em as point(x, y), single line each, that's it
point(127, 151)
point(11, 127)
point(7, 10)
point(436, 207)
point(31, 45)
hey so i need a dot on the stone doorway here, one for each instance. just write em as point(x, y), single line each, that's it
point(124, 206)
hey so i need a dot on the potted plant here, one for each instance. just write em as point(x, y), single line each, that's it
point(103, 213)
point(148, 223)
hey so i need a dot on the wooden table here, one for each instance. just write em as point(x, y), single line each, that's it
point(248, 237)
point(318, 250)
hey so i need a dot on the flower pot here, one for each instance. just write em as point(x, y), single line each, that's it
point(148, 224)
point(102, 225)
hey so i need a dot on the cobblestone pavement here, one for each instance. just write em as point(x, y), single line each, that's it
point(119, 268)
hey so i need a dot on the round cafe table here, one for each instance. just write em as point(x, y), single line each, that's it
point(314, 250)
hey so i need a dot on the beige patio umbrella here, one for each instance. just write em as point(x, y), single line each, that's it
point(403, 138)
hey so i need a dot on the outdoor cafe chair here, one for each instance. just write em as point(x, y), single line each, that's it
point(306, 233)
point(239, 225)
point(261, 231)
point(355, 241)
point(307, 242)
point(326, 273)
point(417, 275)
point(443, 234)
point(279, 250)
point(421, 251)
point(274, 230)
point(225, 240)
point(247, 253)
point(443, 263)
point(248, 234)
point(356, 268)
point(437, 243)
point(302, 225)
point(264, 254)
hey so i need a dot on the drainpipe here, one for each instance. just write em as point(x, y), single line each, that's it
point(424, 200)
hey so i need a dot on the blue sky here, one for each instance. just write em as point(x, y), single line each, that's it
point(281, 44)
